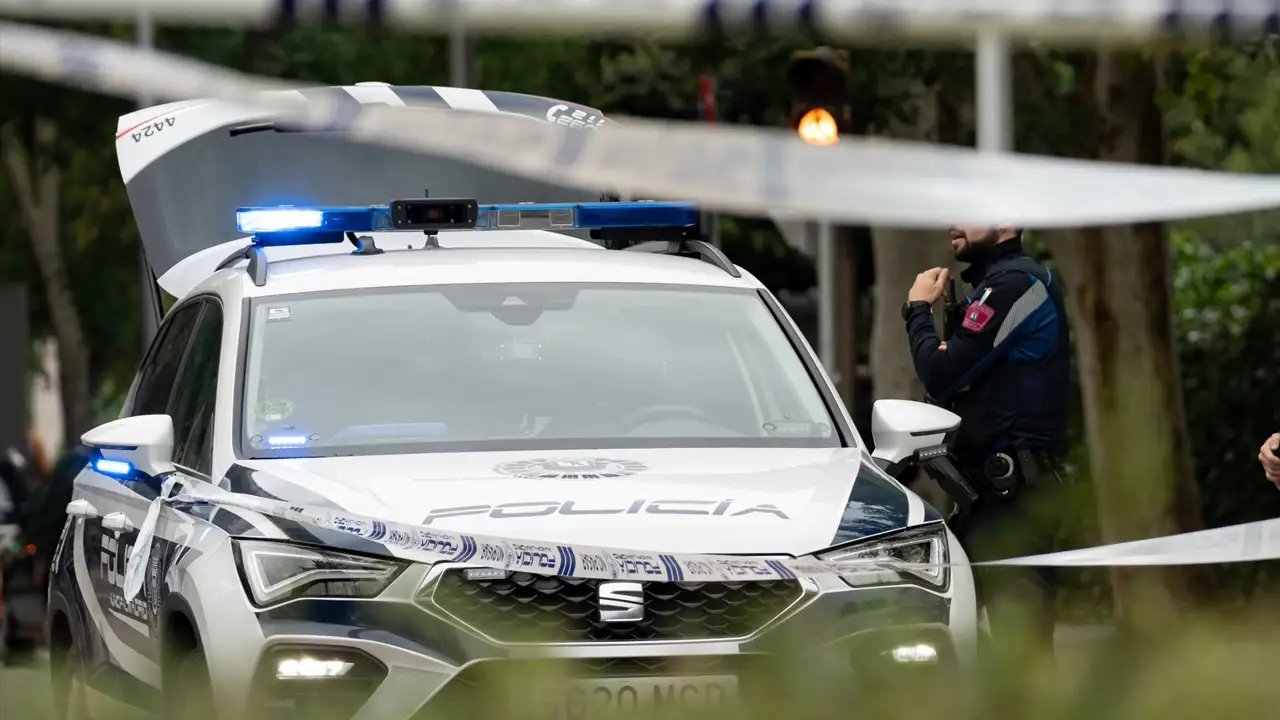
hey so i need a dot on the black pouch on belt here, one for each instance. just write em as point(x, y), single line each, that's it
point(1039, 468)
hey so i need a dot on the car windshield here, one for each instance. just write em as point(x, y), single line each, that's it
point(524, 366)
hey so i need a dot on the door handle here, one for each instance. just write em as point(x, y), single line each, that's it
point(117, 521)
point(81, 509)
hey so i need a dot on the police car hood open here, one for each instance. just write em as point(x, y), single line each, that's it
point(789, 501)
point(188, 166)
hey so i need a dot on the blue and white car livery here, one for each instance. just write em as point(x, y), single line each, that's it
point(519, 383)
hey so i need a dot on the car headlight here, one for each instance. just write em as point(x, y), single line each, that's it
point(924, 547)
point(274, 572)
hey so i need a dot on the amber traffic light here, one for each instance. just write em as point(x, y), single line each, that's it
point(818, 127)
point(819, 85)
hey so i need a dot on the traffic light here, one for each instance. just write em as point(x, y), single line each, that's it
point(819, 83)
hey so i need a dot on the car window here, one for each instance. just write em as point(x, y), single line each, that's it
point(525, 366)
point(194, 394)
point(160, 368)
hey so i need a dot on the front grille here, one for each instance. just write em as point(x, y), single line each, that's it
point(536, 608)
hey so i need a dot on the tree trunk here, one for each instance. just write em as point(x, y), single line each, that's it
point(900, 254)
point(1119, 285)
point(35, 177)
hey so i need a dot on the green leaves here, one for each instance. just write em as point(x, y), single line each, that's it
point(1220, 109)
point(1227, 313)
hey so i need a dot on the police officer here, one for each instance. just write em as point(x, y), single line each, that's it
point(1005, 372)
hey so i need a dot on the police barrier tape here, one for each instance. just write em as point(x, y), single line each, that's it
point(955, 20)
point(1250, 541)
point(431, 545)
point(743, 170)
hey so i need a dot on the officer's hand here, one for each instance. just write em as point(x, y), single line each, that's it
point(1270, 461)
point(929, 285)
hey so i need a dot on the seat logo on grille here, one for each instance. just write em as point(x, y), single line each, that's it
point(621, 602)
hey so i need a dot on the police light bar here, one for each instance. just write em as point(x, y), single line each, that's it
point(422, 215)
point(300, 226)
point(587, 216)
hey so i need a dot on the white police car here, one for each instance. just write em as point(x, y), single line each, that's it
point(453, 369)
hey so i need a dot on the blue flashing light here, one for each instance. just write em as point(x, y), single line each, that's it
point(280, 442)
point(304, 226)
point(269, 220)
point(113, 468)
point(289, 219)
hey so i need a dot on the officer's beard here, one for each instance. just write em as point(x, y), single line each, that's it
point(975, 251)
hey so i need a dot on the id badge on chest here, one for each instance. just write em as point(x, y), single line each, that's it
point(977, 315)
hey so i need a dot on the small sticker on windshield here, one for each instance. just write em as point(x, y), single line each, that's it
point(277, 314)
point(273, 410)
point(797, 429)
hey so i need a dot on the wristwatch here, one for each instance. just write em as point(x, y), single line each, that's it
point(910, 306)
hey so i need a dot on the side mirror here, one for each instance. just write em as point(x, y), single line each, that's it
point(142, 443)
point(902, 427)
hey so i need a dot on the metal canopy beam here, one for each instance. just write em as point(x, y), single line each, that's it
point(995, 92)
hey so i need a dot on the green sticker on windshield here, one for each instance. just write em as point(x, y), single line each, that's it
point(273, 410)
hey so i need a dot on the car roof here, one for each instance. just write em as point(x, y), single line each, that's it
point(459, 265)
point(181, 279)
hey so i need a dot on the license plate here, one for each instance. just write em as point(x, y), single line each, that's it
point(624, 697)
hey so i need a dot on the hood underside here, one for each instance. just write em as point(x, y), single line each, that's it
point(188, 166)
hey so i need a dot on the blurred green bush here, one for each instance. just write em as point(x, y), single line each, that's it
point(1227, 318)
point(1199, 670)
point(1227, 314)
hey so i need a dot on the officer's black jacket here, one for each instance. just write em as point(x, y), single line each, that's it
point(1007, 375)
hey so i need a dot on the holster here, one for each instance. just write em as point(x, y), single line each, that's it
point(952, 481)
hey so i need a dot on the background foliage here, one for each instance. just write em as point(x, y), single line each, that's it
point(1228, 320)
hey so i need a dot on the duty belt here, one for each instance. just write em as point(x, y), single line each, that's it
point(1005, 472)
